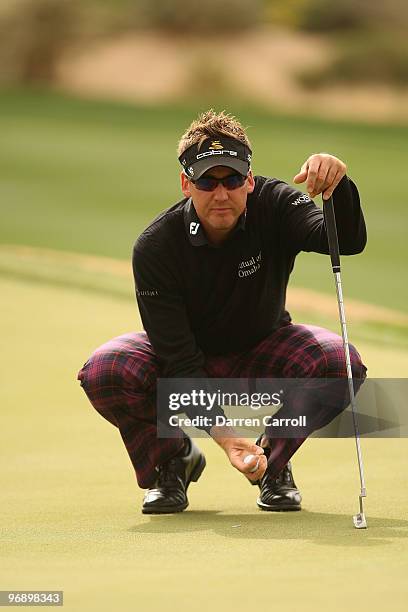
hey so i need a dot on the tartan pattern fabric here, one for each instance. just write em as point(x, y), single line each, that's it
point(120, 381)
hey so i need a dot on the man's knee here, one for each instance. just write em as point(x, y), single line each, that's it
point(118, 378)
point(359, 370)
point(334, 393)
point(124, 362)
point(335, 361)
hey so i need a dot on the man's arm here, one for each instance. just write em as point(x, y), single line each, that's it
point(163, 313)
point(302, 222)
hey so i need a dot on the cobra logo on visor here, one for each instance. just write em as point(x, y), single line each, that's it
point(209, 153)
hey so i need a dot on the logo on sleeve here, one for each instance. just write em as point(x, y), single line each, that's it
point(194, 228)
point(301, 199)
point(147, 292)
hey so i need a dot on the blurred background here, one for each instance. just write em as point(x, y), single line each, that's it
point(345, 59)
point(94, 95)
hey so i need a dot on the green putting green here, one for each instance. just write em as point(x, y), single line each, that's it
point(71, 515)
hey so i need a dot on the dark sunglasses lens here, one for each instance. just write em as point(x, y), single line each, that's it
point(206, 183)
point(234, 181)
point(209, 183)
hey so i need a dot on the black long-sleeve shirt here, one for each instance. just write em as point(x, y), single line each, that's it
point(196, 299)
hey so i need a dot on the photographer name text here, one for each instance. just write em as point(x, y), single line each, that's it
point(222, 421)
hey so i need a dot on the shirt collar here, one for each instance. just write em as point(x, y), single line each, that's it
point(194, 229)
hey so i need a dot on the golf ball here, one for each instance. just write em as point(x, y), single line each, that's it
point(248, 459)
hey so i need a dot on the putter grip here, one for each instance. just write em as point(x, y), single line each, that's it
point(331, 229)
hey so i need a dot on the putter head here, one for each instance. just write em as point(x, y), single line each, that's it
point(359, 521)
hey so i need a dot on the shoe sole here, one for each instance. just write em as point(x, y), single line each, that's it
point(278, 508)
point(194, 476)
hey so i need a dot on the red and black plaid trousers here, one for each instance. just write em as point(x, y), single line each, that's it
point(120, 382)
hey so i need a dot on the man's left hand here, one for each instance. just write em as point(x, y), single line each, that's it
point(322, 173)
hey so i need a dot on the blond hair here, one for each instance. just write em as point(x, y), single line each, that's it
point(212, 125)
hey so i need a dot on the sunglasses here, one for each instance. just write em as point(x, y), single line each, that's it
point(210, 183)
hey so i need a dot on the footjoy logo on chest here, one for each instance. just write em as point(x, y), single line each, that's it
point(194, 228)
point(250, 266)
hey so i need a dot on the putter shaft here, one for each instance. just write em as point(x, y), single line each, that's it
point(342, 315)
point(330, 220)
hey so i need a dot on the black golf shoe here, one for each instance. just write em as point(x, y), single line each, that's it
point(169, 493)
point(278, 492)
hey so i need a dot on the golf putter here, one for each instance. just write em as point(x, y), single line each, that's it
point(359, 519)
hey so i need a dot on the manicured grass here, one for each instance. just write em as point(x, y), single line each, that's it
point(71, 511)
point(88, 176)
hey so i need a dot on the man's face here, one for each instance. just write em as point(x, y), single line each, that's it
point(220, 209)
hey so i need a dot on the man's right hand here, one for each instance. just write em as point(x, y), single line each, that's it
point(237, 449)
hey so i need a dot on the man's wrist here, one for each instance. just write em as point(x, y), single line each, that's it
point(223, 435)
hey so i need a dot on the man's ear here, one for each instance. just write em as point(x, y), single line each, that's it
point(185, 185)
point(250, 182)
